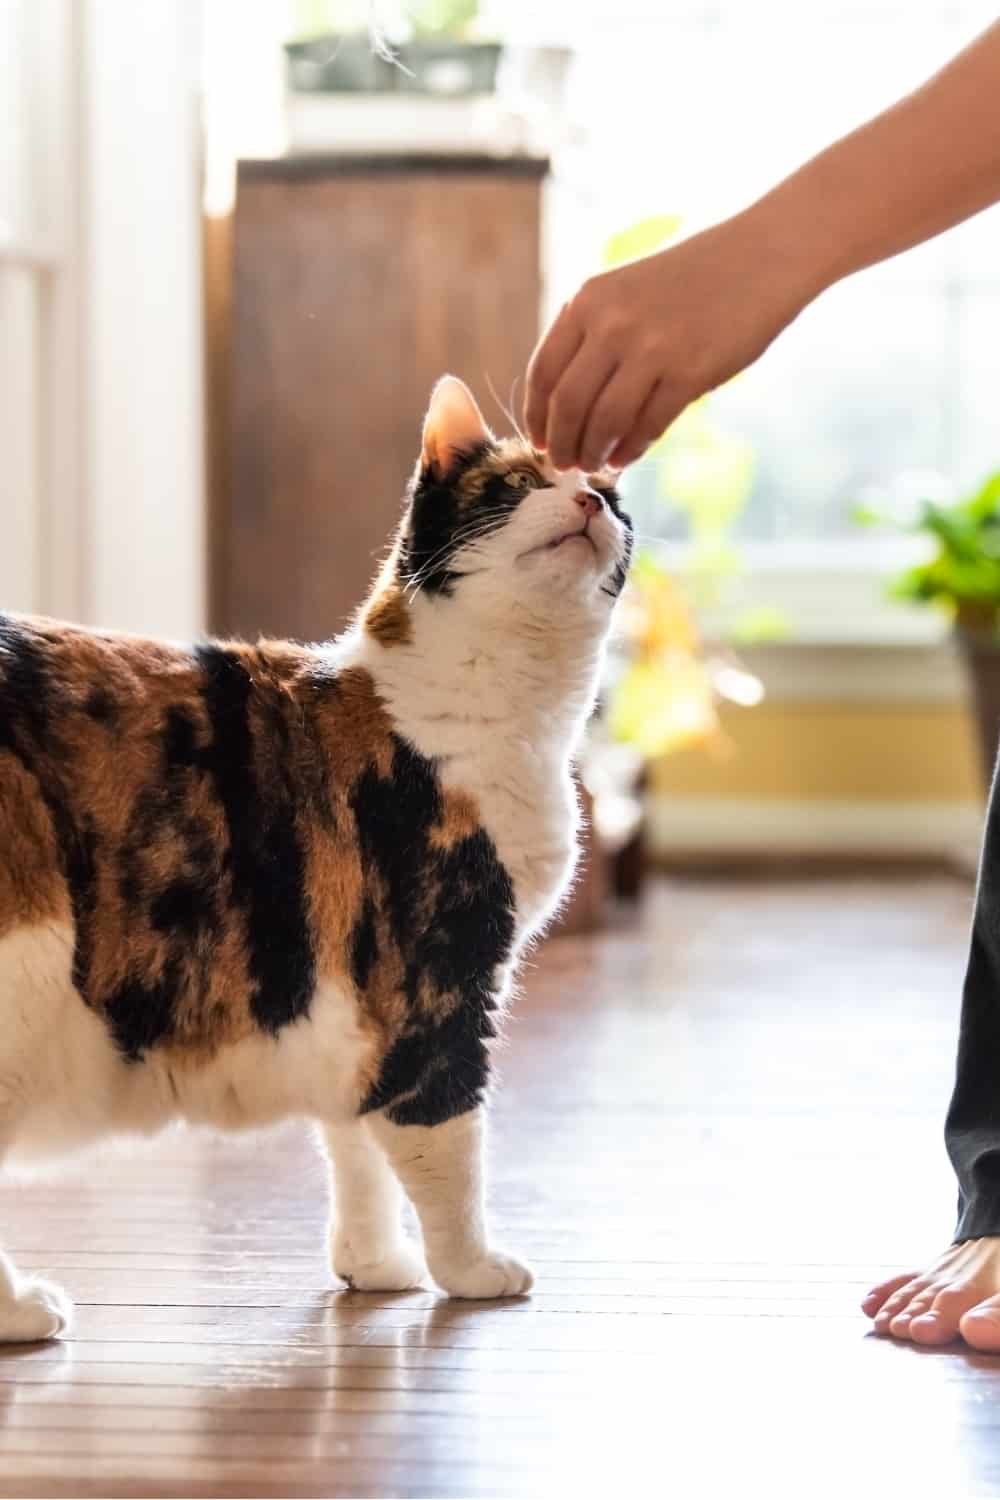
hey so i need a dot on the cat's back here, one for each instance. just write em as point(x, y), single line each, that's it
point(153, 797)
point(70, 701)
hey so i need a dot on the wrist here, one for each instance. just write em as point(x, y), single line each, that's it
point(796, 250)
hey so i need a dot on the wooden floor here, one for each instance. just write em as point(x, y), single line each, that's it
point(713, 1132)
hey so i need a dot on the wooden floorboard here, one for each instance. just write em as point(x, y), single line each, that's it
point(715, 1128)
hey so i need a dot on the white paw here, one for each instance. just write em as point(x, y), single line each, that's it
point(37, 1310)
point(496, 1275)
point(400, 1268)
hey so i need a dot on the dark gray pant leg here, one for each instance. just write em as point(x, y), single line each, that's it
point(972, 1129)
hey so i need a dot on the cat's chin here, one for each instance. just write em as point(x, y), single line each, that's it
point(577, 572)
point(565, 539)
point(569, 555)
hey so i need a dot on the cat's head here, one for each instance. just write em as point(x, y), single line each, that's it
point(490, 524)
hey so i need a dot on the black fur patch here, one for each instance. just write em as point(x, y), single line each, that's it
point(180, 908)
point(443, 518)
point(179, 741)
point(101, 706)
point(29, 729)
point(25, 688)
point(142, 1014)
point(266, 861)
point(364, 944)
point(618, 578)
point(436, 1071)
point(450, 913)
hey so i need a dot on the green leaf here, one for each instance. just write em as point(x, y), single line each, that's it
point(964, 570)
point(312, 18)
point(442, 17)
point(762, 623)
point(986, 502)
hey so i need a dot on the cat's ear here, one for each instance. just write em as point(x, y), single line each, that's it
point(454, 425)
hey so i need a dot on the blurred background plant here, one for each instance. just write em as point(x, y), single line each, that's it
point(961, 573)
point(664, 684)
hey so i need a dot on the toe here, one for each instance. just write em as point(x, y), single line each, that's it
point(939, 1323)
point(980, 1326)
point(932, 1328)
point(898, 1304)
point(901, 1326)
point(879, 1294)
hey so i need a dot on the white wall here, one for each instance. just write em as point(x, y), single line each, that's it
point(143, 328)
point(33, 262)
point(101, 420)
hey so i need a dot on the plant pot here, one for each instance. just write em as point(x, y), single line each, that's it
point(350, 65)
point(337, 65)
point(981, 651)
point(448, 69)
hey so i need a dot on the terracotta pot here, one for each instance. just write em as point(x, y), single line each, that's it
point(981, 650)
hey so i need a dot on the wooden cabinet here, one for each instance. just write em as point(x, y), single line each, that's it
point(356, 282)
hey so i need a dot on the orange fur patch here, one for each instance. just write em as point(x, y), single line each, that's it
point(387, 618)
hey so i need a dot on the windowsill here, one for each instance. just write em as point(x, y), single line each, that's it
point(858, 672)
point(829, 593)
point(846, 639)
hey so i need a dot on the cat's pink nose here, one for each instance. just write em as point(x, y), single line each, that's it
point(590, 503)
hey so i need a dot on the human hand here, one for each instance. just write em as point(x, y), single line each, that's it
point(637, 344)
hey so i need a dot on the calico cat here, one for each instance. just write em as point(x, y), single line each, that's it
point(239, 882)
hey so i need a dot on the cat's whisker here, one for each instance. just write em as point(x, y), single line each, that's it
point(508, 411)
point(470, 529)
point(464, 537)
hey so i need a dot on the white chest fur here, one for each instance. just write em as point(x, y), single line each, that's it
point(528, 807)
point(501, 722)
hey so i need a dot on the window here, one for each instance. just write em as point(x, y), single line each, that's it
point(695, 108)
point(886, 385)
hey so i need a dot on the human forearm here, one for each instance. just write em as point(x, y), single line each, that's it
point(924, 165)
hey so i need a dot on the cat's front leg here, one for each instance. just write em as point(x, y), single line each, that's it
point(442, 1169)
point(368, 1247)
point(30, 1308)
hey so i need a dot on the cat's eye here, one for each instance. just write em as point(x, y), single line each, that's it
point(521, 479)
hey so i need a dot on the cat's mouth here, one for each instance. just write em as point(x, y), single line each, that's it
point(575, 534)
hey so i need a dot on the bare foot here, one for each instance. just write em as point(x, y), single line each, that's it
point(959, 1295)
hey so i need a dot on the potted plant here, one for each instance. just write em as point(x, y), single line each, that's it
point(432, 51)
point(961, 575)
